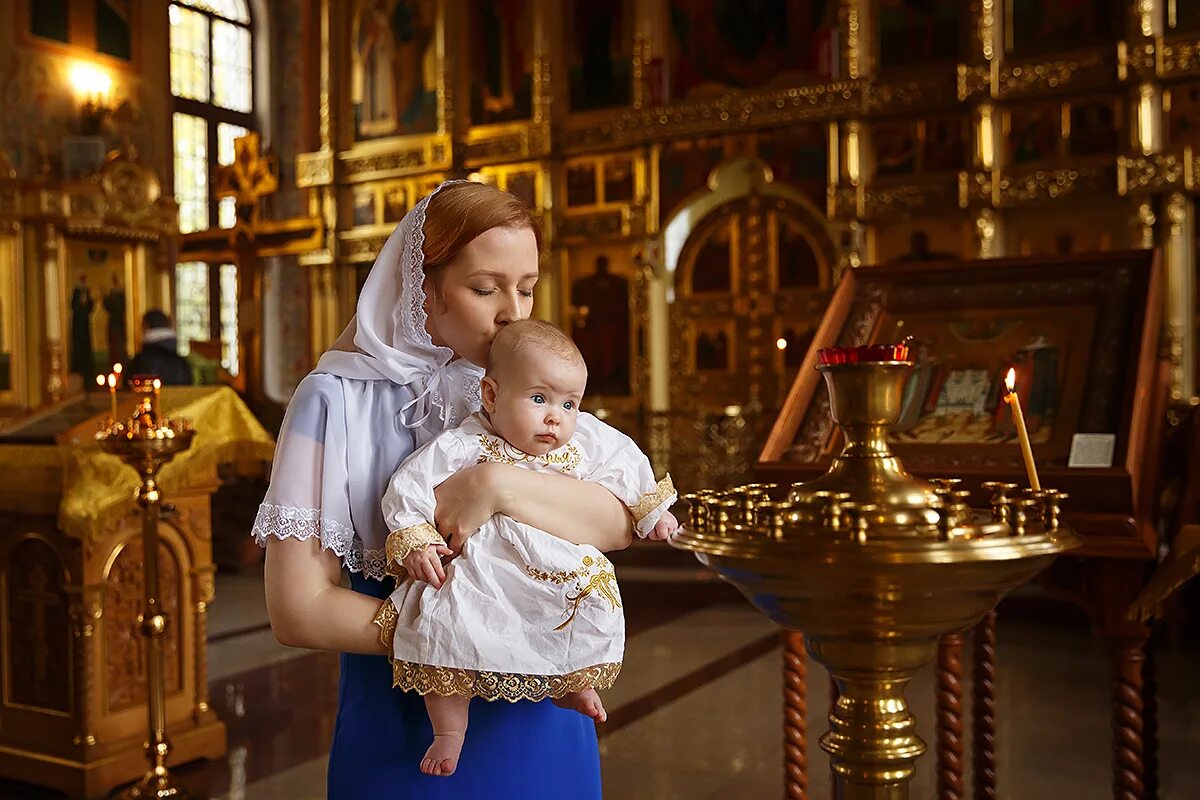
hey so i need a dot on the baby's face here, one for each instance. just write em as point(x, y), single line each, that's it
point(533, 404)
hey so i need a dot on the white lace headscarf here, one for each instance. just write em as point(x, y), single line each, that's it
point(390, 339)
point(341, 440)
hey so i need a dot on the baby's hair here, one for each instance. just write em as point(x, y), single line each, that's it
point(516, 338)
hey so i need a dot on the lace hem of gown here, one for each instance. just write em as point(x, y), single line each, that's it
point(289, 522)
point(451, 681)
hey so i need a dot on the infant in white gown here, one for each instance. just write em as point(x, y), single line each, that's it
point(522, 614)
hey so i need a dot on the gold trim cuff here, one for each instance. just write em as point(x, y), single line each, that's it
point(513, 687)
point(404, 541)
point(651, 501)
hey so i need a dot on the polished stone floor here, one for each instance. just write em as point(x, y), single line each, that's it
point(697, 712)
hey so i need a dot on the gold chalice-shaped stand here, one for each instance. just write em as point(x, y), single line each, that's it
point(146, 442)
point(873, 565)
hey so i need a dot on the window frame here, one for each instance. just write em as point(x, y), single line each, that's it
point(213, 115)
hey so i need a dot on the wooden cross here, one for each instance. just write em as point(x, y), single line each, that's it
point(249, 178)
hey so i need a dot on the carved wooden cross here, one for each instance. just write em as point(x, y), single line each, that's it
point(249, 178)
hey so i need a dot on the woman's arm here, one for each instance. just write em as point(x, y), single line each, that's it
point(307, 605)
point(578, 511)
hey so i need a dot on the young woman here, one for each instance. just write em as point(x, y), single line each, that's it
point(461, 265)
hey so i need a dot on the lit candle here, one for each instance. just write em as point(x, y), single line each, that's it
point(112, 394)
point(157, 385)
point(1014, 403)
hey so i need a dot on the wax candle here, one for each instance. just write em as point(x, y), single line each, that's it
point(1014, 403)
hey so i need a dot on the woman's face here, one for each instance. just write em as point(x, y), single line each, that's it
point(488, 285)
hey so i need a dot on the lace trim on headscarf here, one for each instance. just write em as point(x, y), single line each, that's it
point(289, 522)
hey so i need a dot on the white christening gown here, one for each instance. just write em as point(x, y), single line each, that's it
point(522, 614)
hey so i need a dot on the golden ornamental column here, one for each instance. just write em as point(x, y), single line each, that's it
point(55, 297)
point(976, 84)
point(1179, 247)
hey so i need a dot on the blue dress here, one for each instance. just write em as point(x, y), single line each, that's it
point(523, 751)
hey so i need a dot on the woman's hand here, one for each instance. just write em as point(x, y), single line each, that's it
point(426, 564)
point(465, 501)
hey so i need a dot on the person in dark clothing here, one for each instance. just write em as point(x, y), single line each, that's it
point(159, 355)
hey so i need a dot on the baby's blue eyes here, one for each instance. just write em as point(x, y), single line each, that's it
point(540, 399)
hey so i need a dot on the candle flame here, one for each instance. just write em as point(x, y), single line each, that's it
point(1010, 380)
point(157, 384)
point(99, 380)
point(112, 381)
point(118, 369)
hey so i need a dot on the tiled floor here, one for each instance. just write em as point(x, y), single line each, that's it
point(697, 713)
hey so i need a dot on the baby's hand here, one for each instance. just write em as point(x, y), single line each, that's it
point(666, 525)
point(426, 564)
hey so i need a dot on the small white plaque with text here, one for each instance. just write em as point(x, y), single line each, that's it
point(1092, 450)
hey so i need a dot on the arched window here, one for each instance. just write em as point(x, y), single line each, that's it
point(212, 83)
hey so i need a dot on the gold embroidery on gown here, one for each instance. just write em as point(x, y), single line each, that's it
point(404, 541)
point(451, 681)
point(500, 451)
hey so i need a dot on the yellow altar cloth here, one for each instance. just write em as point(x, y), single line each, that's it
point(94, 490)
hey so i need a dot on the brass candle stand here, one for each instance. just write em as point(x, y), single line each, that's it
point(146, 442)
point(873, 565)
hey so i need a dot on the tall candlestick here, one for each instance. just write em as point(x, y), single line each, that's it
point(1014, 403)
point(157, 385)
point(112, 394)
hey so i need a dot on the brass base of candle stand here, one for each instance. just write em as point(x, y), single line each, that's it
point(872, 565)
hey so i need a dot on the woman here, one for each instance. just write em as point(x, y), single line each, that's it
point(461, 265)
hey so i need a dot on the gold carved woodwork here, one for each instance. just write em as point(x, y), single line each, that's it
point(74, 715)
point(1054, 184)
point(1083, 72)
point(1177, 59)
point(974, 80)
point(926, 196)
point(314, 169)
point(409, 156)
point(1156, 172)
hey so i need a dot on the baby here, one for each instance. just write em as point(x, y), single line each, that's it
point(521, 614)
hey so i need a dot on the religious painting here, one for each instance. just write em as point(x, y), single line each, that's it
point(395, 203)
point(1035, 27)
point(97, 309)
point(915, 32)
point(581, 184)
point(599, 52)
point(523, 184)
point(1069, 326)
point(718, 45)
point(1095, 127)
point(38, 621)
point(363, 207)
point(796, 261)
point(956, 392)
point(600, 301)
point(895, 147)
point(798, 156)
point(1182, 104)
point(1034, 132)
point(943, 146)
point(618, 180)
point(501, 60)
point(114, 32)
point(712, 268)
point(1183, 15)
point(713, 345)
point(683, 169)
point(394, 67)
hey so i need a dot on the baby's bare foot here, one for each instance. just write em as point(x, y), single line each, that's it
point(586, 702)
point(441, 758)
